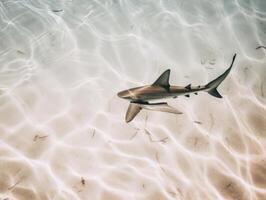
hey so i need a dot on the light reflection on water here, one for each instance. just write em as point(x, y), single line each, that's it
point(63, 134)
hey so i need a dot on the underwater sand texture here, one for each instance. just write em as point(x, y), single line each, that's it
point(63, 134)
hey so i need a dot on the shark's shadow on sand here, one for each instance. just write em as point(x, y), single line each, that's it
point(139, 97)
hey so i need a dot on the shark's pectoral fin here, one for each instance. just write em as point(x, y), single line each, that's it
point(134, 108)
point(132, 111)
point(162, 107)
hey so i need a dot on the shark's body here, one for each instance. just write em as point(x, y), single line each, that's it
point(139, 97)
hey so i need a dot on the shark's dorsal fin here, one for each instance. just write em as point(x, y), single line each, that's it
point(163, 80)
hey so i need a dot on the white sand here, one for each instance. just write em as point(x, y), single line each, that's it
point(62, 128)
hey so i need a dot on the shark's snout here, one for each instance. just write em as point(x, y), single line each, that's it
point(124, 94)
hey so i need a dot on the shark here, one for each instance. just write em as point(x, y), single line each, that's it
point(143, 97)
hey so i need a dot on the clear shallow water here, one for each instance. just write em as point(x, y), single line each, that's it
point(63, 134)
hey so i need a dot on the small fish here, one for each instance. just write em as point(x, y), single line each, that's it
point(261, 47)
point(60, 10)
point(20, 52)
point(83, 181)
point(197, 122)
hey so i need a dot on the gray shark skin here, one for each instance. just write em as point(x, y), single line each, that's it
point(139, 97)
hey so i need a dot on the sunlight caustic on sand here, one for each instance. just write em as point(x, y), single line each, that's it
point(63, 134)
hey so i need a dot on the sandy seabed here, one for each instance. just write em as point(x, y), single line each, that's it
point(62, 130)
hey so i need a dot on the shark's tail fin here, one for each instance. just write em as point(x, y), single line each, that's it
point(212, 86)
